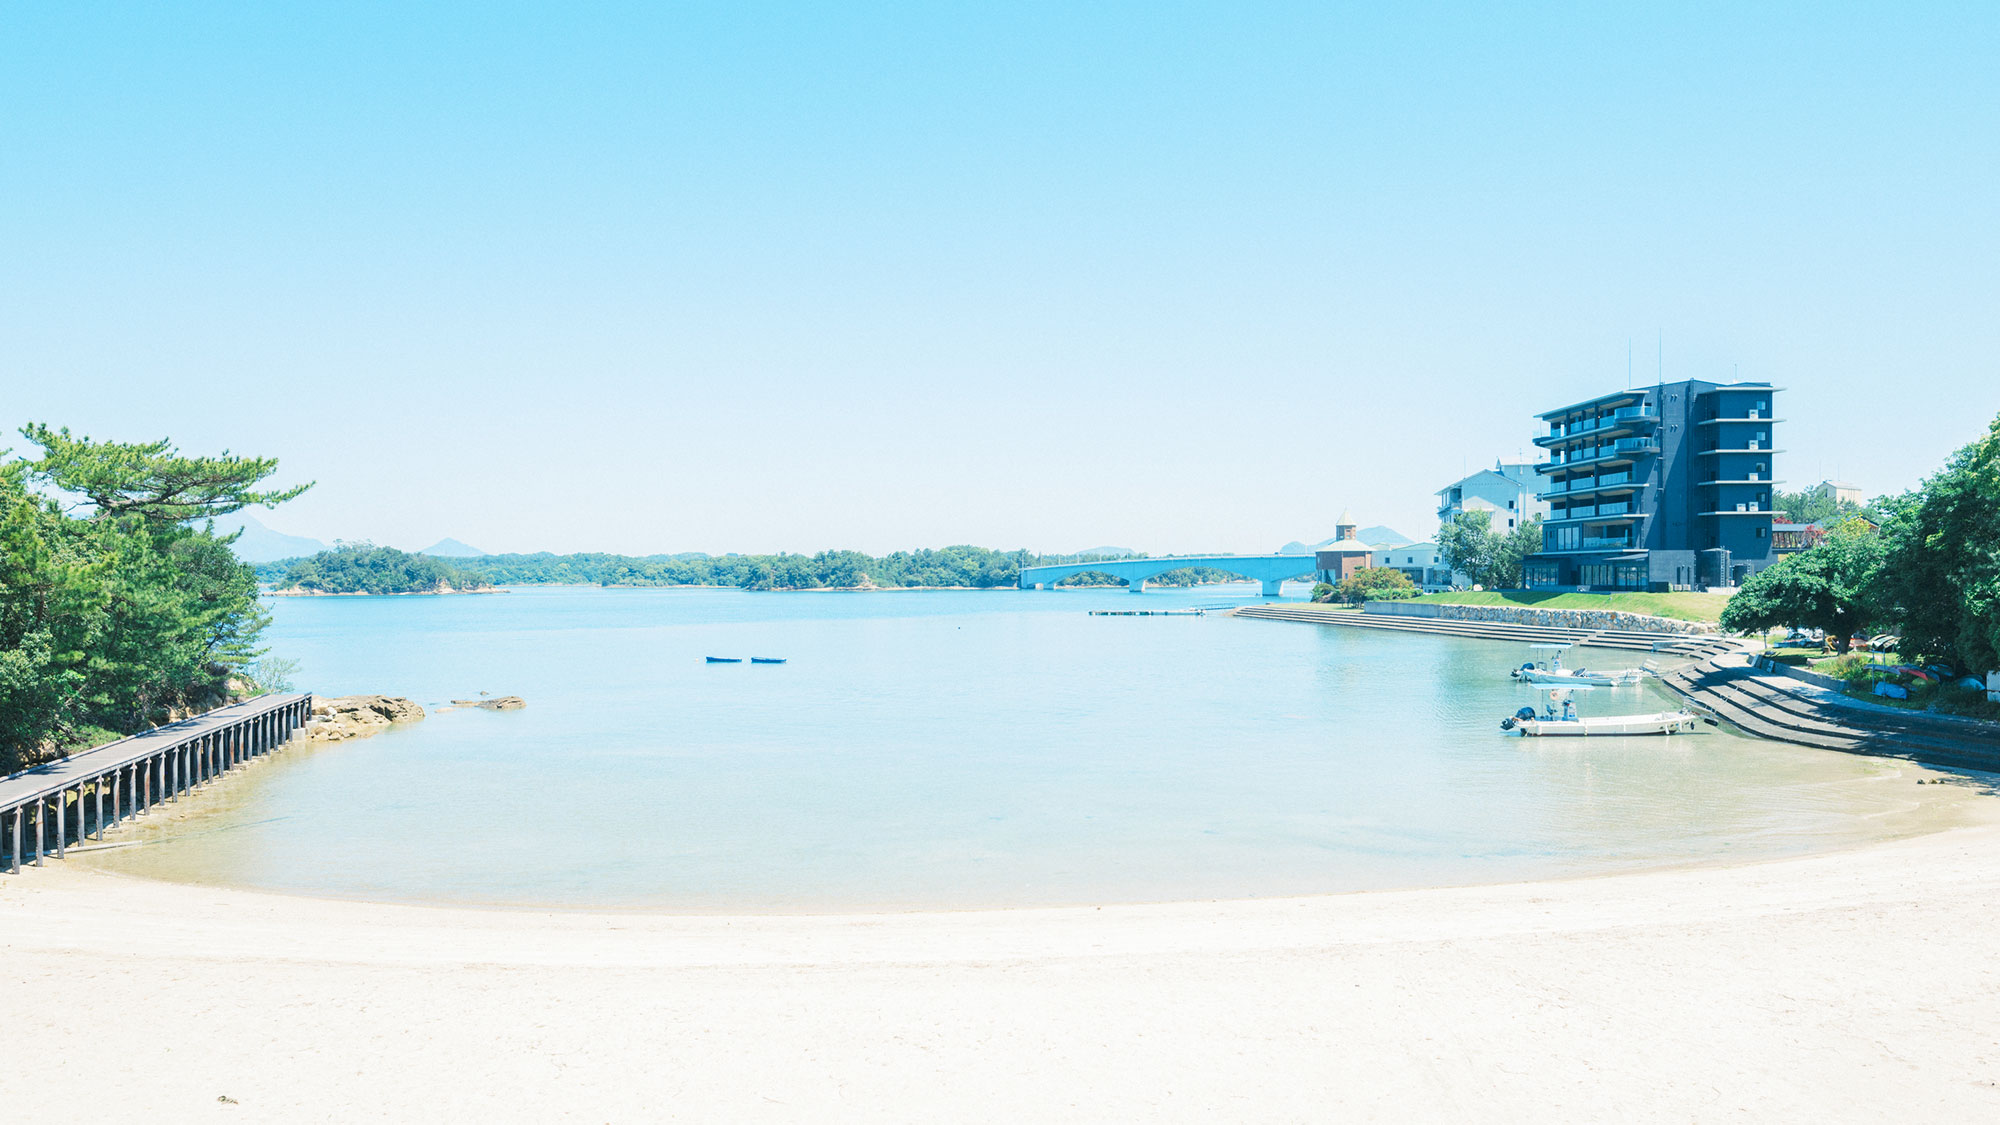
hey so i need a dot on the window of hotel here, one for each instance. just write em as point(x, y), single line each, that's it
point(1762, 532)
point(1621, 575)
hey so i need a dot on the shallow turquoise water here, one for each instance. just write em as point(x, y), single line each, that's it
point(959, 748)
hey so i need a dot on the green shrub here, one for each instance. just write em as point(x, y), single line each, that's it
point(1852, 667)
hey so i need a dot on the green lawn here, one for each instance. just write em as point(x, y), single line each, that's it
point(1684, 607)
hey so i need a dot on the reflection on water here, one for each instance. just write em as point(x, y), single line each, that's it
point(964, 748)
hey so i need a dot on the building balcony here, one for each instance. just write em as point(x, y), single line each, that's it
point(1622, 513)
point(1594, 543)
point(1748, 418)
point(1747, 511)
point(1594, 406)
point(1610, 453)
point(1618, 421)
point(1617, 482)
point(1749, 449)
point(1753, 478)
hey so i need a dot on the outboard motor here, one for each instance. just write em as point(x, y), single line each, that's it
point(1528, 667)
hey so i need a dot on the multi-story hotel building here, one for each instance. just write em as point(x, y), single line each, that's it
point(1658, 487)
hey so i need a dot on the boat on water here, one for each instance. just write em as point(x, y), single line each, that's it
point(725, 660)
point(1546, 668)
point(767, 660)
point(1559, 718)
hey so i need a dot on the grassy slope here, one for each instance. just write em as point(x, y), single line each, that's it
point(1685, 607)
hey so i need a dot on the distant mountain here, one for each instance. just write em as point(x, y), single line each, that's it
point(452, 549)
point(1107, 552)
point(259, 544)
point(1373, 536)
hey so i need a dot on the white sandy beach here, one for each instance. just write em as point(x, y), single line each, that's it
point(1860, 985)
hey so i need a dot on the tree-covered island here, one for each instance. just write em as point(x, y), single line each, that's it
point(343, 570)
point(363, 568)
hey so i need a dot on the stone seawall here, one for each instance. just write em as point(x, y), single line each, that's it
point(1591, 619)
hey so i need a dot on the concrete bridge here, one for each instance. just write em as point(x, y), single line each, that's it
point(1268, 569)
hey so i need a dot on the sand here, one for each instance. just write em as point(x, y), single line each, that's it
point(1859, 985)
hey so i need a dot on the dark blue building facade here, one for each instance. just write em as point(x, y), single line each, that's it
point(1658, 488)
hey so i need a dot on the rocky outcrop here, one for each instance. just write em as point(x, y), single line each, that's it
point(497, 703)
point(358, 716)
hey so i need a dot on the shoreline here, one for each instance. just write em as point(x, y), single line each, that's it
point(1841, 984)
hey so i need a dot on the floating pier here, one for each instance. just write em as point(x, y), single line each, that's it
point(76, 798)
point(1148, 612)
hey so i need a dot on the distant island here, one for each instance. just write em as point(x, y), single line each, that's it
point(383, 570)
point(367, 569)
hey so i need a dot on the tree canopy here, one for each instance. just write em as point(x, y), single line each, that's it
point(1469, 545)
point(1819, 507)
point(1375, 584)
point(1941, 576)
point(152, 479)
point(121, 613)
point(1831, 586)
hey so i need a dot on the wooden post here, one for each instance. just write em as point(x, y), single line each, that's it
point(41, 836)
point(14, 854)
point(117, 792)
point(62, 820)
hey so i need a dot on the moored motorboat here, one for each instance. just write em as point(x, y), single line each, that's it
point(1548, 669)
point(725, 660)
point(1559, 718)
point(767, 660)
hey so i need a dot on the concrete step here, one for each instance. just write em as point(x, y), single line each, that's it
point(1749, 701)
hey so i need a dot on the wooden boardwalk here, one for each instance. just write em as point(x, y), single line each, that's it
point(54, 805)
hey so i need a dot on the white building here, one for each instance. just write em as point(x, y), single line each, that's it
point(1508, 490)
point(1840, 492)
point(1420, 562)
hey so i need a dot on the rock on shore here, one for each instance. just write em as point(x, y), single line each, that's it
point(358, 716)
point(498, 703)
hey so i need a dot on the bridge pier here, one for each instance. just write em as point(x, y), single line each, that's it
point(1271, 586)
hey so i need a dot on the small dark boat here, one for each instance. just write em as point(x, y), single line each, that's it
point(725, 660)
point(767, 660)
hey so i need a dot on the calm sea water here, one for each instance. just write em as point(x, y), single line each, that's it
point(959, 748)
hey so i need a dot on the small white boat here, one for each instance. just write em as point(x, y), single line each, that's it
point(1559, 719)
point(1548, 669)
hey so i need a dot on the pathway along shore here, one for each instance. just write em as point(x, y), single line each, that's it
point(1849, 986)
point(1723, 680)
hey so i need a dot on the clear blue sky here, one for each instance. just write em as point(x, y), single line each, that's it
point(745, 277)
